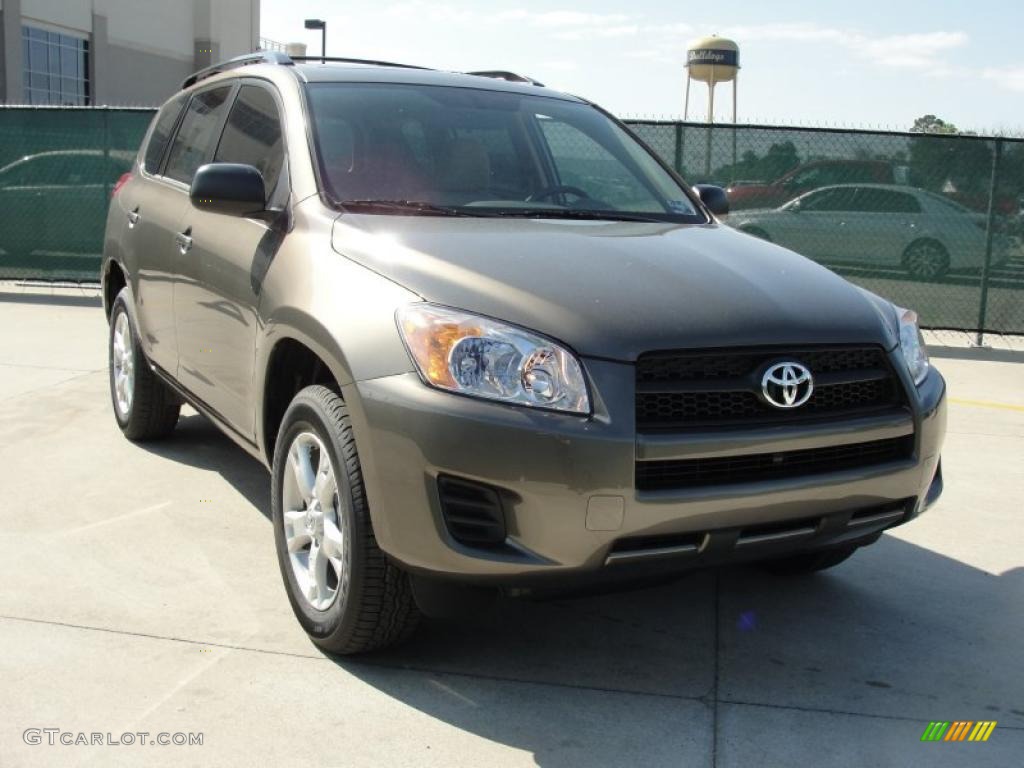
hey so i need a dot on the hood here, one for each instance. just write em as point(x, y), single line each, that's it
point(617, 289)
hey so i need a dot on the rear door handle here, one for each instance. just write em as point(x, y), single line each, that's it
point(133, 218)
point(184, 241)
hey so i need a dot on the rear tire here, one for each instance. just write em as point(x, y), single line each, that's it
point(344, 591)
point(808, 562)
point(926, 260)
point(145, 408)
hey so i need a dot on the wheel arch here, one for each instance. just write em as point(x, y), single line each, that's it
point(113, 278)
point(922, 240)
point(294, 355)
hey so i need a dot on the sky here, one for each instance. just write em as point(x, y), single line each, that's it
point(854, 64)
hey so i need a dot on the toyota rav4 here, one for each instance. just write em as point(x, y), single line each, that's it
point(484, 338)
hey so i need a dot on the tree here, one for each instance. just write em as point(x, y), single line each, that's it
point(943, 161)
point(933, 124)
point(779, 158)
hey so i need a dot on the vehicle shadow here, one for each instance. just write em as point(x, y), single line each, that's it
point(898, 631)
point(198, 443)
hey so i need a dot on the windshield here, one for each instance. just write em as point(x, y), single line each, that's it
point(438, 150)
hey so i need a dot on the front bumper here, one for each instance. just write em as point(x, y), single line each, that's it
point(569, 484)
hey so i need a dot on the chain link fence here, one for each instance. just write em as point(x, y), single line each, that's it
point(932, 222)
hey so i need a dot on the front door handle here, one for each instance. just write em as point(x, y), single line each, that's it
point(133, 218)
point(184, 241)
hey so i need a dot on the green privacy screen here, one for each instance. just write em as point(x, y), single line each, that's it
point(931, 222)
point(57, 167)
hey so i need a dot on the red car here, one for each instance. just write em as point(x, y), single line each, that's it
point(804, 178)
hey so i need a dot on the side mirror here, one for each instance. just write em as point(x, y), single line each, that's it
point(795, 206)
point(714, 198)
point(229, 188)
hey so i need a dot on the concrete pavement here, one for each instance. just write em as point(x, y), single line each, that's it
point(141, 593)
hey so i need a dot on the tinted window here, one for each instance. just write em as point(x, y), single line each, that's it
point(582, 162)
point(840, 199)
point(886, 201)
point(197, 134)
point(489, 152)
point(253, 135)
point(162, 127)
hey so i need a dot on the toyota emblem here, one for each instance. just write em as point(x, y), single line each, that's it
point(787, 385)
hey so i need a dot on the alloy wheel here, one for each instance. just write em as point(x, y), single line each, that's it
point(926, 261)
point(315, 530)
point(123, 356)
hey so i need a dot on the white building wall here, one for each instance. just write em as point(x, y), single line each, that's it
point(141, 49)
point(72, 15)
point(150, 25)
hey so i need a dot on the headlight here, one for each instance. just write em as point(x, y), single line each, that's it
point(477, 356)
point(912, 345)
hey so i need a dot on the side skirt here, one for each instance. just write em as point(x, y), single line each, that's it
point(243, 442)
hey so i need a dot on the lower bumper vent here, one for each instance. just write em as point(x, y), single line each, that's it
point(472, 512)
point(726, 470)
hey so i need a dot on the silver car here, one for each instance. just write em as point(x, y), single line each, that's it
point(884, 224)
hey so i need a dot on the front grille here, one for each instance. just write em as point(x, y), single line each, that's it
point(726, 470)
point(472, 512)
point(685, 390)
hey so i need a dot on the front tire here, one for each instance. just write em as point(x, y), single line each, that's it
point(345, 593)
point(144, 407)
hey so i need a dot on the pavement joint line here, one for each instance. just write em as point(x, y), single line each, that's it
point(472, 676)
point(76, 377)
point(115, 519)
point(987, 404)
point(51, 368)
point(353, 662)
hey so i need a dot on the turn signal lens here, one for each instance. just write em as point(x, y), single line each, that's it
point(481, 357)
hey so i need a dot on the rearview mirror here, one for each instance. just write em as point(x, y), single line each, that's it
point(229, 188)
point(714, 198)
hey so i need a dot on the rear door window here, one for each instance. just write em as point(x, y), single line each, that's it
point(163, 126)
point(252, 135)
point(835, 199)
point(873, 200)
point(198, 133)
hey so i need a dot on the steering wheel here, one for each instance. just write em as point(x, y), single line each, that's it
point(558, 189)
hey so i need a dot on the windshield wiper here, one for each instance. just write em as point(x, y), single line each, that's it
point(413, 207)
point(575, 213)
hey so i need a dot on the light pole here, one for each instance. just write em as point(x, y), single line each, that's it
point(322, 26)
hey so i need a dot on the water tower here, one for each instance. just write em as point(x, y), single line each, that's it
point(712, 60)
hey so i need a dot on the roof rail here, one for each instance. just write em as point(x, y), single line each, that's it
point(512, 77)
point(260, 57)
point(346, 60)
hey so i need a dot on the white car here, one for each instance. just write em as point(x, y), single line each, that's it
point(884, 224)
